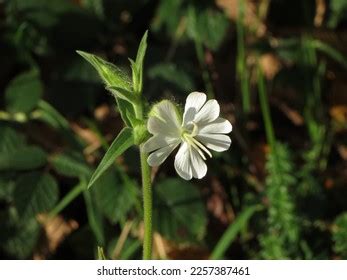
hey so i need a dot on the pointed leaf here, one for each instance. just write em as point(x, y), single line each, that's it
point(123, 141)
point(123, 94)
point(230, 234)
point(110, 74)
point(138, 69)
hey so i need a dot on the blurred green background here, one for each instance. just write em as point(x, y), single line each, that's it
point(278, 69)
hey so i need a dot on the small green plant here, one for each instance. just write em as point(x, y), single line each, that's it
point(198, 131)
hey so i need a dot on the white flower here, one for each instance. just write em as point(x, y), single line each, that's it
point(200, 130)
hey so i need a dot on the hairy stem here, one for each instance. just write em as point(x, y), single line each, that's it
point(147, 205)
point(147, 195)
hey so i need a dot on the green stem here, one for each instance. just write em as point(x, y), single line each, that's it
point(147, 195)
point(205, 74)
point(147, 205)
point(242, 71)
point(68, 198)
point(264, 105)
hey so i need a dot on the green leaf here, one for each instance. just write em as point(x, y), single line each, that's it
point(15, 155)
point(70, 165)
point(232, 231)
point(95, 220)
point(24, 158)
point(115, 196)
point(23, 92)
point(123, 94)
point(123, 141)
point(137, 67)
point(35, 193)
point(340, 235)
point(207, 26)
point(179, 214)
point(22, 240)
point(112, 77)
point(110, 74)
point(6, 188)
point(101, 254)
point(171, 73)
point(337, 13)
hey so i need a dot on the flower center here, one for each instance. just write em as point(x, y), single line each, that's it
point(188, 134)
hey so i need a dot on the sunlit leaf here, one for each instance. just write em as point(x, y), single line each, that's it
point(123, 141)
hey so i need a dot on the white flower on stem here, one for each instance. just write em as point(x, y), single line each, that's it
point(200, 130)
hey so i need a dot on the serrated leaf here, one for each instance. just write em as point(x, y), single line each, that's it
point(115, 196)
point(70, 166)
point(15, 155)
point(35, 193)
point(23, 158)
point(22, 240)
point(23, 92)
point(207, 26)
point(123, 141)
point(179, 212)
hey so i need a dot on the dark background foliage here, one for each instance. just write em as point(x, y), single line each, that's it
point(278, 69)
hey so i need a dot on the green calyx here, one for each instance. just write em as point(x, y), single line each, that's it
point(140, 134)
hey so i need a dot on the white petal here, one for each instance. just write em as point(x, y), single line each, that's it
point(159, 141)
point(182, 162)
point(164, 119)
point(220, 125)
point(199, 167)
point(194, 102)
point(159, 156)
point(216, 142)
point(208, 113)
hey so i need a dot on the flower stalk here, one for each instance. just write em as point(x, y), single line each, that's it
point(146, 194)
point(147, 205)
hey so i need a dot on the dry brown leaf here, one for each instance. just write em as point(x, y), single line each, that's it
point(270, 65)
point(251, 17)
point(339, 113)
point(55, 231)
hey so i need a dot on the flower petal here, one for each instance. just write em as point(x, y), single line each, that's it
point(194, 102)
point(208, 113)
point(159, 156)
point(220, 125)
point(182, 162)
point(164, 119)
point(199, 168)
point(159, 141)
point(216, 142)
